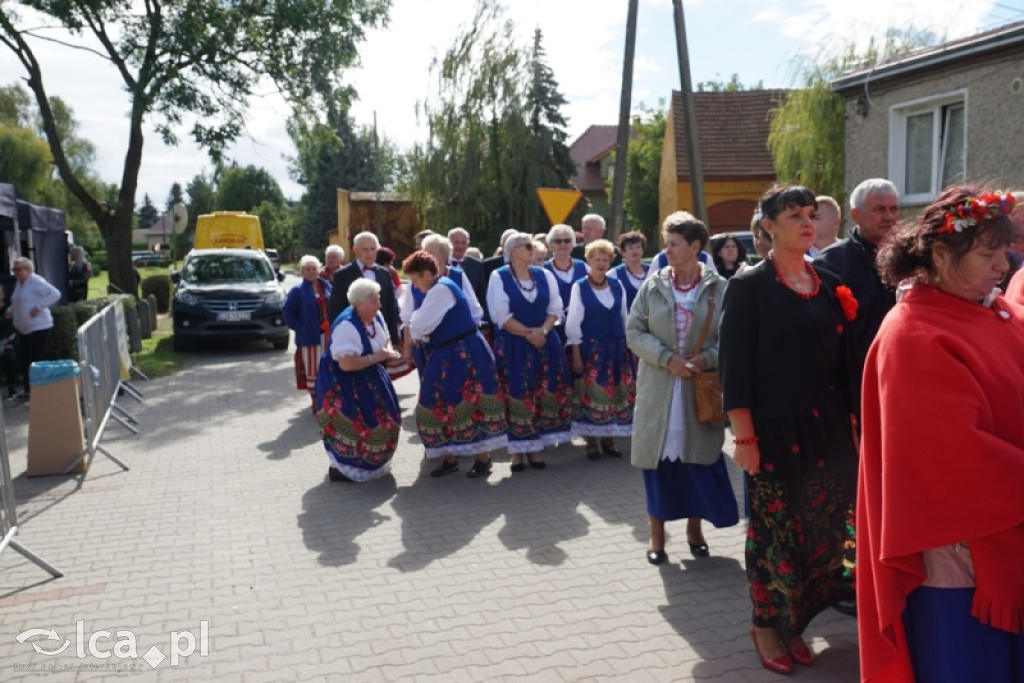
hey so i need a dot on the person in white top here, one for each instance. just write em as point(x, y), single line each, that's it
point(595, 330)
point(30, 313)
point(524, 305)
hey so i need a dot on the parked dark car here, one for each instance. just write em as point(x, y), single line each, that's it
point(228, 294)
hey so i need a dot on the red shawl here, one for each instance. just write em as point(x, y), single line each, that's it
point(942, 461)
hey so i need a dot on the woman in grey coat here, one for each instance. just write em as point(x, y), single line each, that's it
point(681, 458)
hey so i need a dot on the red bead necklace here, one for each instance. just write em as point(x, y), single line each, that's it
point(533, 283)
point(814, 279)
point(597, 285)
point(683, 289)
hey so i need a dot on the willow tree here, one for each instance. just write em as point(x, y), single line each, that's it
point(806, 135)
point(184, 60)
point(495, 132)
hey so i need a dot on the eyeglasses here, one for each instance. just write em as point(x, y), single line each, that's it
point(564, 240)
point(528, 246)
point(17, 268)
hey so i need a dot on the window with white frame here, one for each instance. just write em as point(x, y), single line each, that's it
point(928, 145)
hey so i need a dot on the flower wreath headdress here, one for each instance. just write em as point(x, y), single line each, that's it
point(974, 210)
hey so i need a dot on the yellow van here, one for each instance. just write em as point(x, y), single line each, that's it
point(230, 229)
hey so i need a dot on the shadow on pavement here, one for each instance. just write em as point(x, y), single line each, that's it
point(334, 514)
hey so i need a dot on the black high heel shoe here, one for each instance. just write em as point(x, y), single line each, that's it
point(656, 556)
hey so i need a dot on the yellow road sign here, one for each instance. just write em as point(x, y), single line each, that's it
point(557, 203)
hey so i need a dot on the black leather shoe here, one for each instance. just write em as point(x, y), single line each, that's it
point(699, 549)
point(656, 556)
point(445, 468)
point(848, 607)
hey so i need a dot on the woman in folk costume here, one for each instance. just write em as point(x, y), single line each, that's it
point(524, 305)
point(565, 268)
point(356, 404)
point(461, 409)
point(673, 330)
point(595, 330)
point(940, 510)
point(305, 313)
point(440, 248)
point(784, 356)
point(632, 272)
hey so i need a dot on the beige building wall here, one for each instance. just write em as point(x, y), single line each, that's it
point(994, 120)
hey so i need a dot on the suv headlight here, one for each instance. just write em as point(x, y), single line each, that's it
point(275, 297)
point(186, 297)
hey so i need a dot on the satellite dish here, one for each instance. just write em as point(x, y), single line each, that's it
point(179, 217)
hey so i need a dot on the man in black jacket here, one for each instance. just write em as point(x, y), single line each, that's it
point(364, 247)
point(875, 208)
point(474, 269)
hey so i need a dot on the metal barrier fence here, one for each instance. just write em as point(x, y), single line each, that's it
point(106, 362)
point(8, 514)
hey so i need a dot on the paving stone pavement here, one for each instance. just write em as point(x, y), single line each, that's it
point(226, 517)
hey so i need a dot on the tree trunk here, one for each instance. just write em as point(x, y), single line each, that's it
point(116, 229)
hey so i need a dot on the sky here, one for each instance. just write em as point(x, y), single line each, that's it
point(758, 40)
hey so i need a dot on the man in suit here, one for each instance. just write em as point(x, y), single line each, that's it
point(474, 270)
point(364, 247)
point(593, 227)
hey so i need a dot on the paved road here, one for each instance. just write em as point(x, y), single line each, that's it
point(226, 517)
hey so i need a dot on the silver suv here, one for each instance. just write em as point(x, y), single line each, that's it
point(228, 294)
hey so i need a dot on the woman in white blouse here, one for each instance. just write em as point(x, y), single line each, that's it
point(524, 305)
point(356, 405)
point(595, 330)
point(461, 410)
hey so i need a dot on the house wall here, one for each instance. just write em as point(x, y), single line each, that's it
point(668, 190)
point(994, 116)
point(721, 192)
point(399, 224)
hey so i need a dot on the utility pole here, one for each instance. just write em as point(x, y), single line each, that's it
point(378, 217)
point(693, 157)
point(622, 140)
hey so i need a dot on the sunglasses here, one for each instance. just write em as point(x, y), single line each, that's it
point(528, 246)
point(560, 241)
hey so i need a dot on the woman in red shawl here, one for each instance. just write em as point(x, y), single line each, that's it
point(940, 510)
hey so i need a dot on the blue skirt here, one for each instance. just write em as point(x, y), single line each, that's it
point(358, 417)
point(461, 410)
point(948, 645)
point(678, 490)
point(603, 396)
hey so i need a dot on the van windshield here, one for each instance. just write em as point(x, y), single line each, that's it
point(215, 268)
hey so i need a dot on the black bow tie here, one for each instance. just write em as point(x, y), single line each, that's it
point(457, 263)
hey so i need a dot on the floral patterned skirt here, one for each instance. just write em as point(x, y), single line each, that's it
point(461, 409)
point(801, 515)
point(539, 392)
point(358, 417)
point(604, 394)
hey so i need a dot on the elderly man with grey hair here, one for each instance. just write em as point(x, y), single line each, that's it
point(474, 269)
point(593, 227)
point(875, 209)
point(364, 247)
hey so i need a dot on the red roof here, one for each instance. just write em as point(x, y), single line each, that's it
point(587, 151)
point(733, 128)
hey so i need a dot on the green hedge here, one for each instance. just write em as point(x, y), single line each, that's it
point(63, 343)
point(160, 287)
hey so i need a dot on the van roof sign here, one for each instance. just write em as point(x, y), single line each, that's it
point(228, 229)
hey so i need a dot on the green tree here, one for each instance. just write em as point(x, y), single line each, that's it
point(24, 160)
point(201, 194)
point(495, 132)
point(148, 213)
point(807, 130)
point(181, 59)
point(280, 227)
point(241, 189)
point(643, 171)
point(335, 154)
point(175, 196)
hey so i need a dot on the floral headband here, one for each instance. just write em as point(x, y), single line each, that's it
point(974, 210)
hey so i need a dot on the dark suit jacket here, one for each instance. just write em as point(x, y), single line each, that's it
point(388, 302)
point(767, 345)
point(474, 271)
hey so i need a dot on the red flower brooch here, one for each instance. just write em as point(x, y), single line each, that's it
point(847, 301)
point(974, 210)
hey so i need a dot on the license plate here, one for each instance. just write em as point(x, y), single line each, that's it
point(234, 316)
